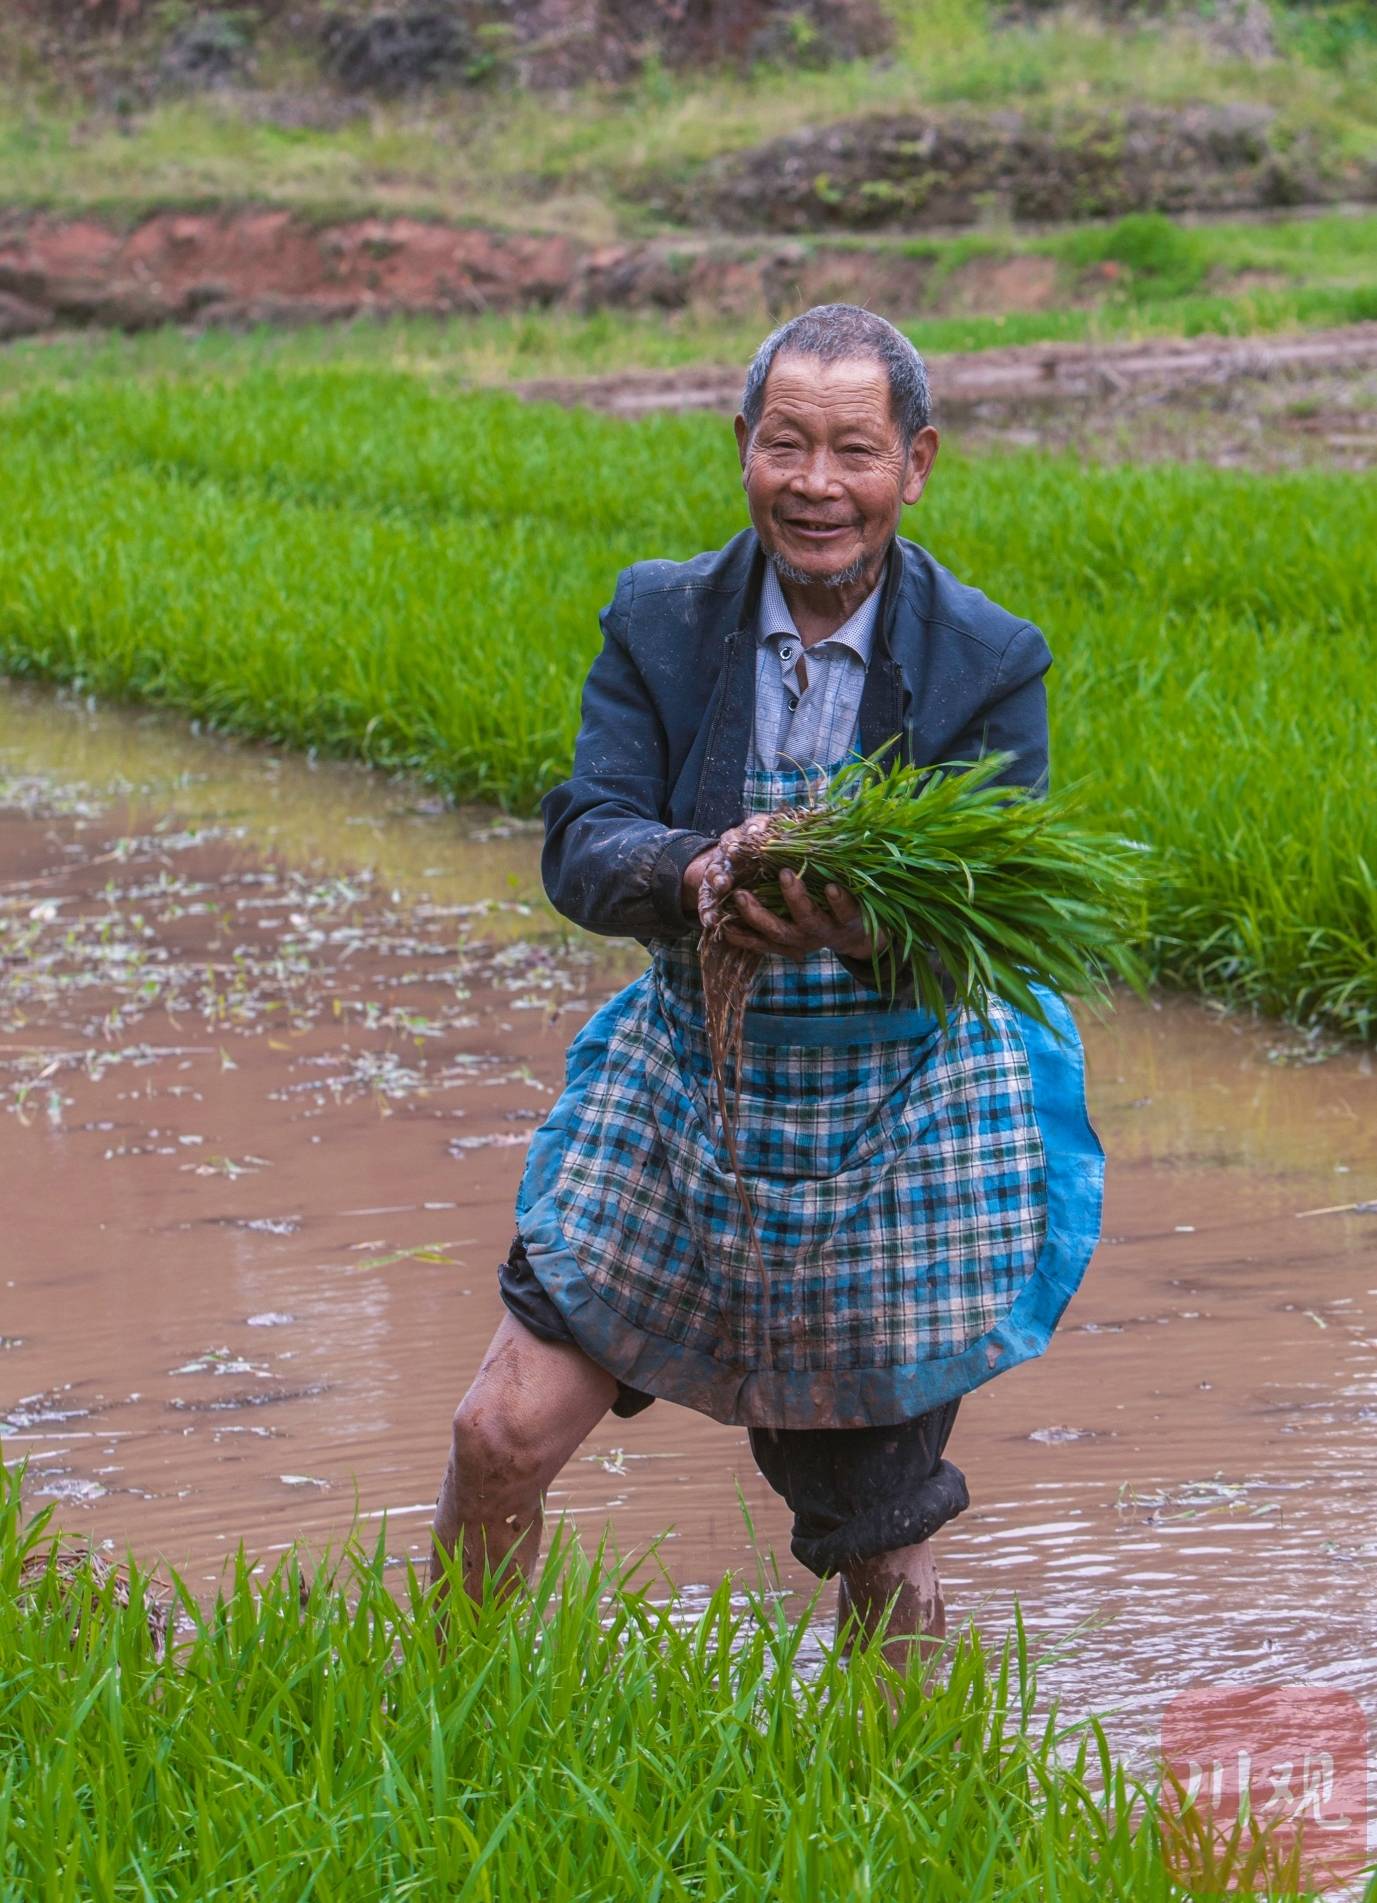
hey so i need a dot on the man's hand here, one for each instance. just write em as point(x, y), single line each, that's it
point(711, 890)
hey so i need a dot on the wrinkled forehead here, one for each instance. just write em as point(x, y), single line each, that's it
point(828, 393)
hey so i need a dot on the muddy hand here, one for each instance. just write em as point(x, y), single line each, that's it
point(734, 855)
point(711, 888)
point(836, 924)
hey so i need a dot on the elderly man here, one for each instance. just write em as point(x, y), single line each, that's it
point(926, 1199)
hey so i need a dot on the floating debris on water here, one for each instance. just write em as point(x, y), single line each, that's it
point(1195, 1499)
point(423, 1252)
point(221, 1361)
point(68, 1488)
point(40, 1410)
point(226, 1166)
point(229, 1403)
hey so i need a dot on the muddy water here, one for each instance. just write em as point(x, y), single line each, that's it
point(273, 1039)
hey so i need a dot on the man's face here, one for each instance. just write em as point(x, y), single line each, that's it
point(827, 470)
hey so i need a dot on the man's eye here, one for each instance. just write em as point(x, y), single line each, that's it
point(856, 449)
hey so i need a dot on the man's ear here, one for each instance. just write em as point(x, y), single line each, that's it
point(922, 454)
point(743, 437)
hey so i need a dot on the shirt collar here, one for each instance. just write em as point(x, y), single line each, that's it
point(856, 633)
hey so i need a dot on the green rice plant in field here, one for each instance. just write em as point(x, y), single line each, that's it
point(307, 1736)
point(1216, 676)
point(352, 560)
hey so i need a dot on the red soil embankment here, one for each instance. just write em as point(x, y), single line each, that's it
point(264, 266)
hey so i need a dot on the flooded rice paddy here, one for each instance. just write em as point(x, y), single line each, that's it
point(273, 1039)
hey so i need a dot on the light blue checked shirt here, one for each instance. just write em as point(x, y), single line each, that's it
point(813, 725)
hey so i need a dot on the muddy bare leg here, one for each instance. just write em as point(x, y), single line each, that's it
point(908, 1577)
point(531, 1403)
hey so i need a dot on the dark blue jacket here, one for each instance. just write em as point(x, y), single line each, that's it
point(669, 704)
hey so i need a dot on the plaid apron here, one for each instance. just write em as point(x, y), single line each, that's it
point(925, 1201)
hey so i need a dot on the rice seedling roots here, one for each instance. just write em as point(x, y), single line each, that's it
point(729, 973)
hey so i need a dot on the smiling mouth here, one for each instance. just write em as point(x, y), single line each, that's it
point(816, 531)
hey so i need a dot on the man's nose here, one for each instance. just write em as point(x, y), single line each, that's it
point(816, 475)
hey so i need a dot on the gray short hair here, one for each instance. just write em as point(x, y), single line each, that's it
point(833, 333)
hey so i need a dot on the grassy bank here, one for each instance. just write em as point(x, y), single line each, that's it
point(499, 152)
point(305, 1738)
point(355, 561)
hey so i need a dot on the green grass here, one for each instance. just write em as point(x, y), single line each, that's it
point(504, 154)
point(307, 1738)
point(353, 560)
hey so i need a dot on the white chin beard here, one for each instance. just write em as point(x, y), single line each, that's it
point(839, 578)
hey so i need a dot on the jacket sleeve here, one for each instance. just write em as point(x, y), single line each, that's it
point(1014, 718)
point(609, 863)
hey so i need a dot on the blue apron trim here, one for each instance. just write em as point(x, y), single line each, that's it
point(836, 1397)
point(839, 1029)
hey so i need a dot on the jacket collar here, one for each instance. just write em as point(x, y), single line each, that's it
point(881, 717)
point(731, 714)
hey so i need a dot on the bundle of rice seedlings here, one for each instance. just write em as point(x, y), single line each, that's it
point(979, 891)
point(975, 891)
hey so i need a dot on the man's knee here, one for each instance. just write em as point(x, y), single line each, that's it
point(496, 1452)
